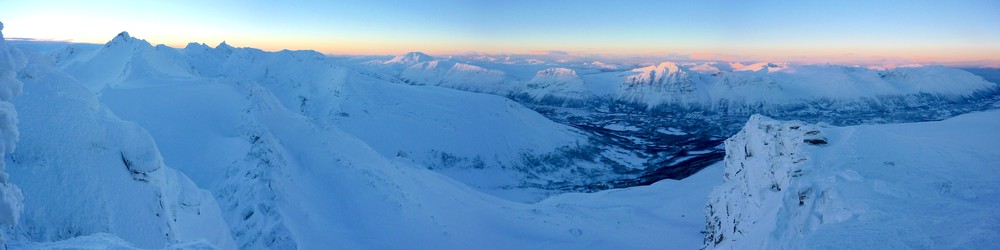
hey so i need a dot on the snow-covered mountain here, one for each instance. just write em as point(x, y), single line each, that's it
point(791, 185)
point(557, 84)
point(85, 171)
point(133, 145)
point(775, 88)
point(723, 93)
point(527, 155)
point(410, 58)
point(459, 76)
point(124, 59)
point(285, 149)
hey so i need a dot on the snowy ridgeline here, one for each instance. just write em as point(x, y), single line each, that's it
point(718, 87)
point(789, 185)
point(525, 156)
point(133, 145)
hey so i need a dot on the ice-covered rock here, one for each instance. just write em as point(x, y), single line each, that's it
point(789, 185)
point(761, 161)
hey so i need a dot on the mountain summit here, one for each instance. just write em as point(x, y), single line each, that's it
point(124, 38)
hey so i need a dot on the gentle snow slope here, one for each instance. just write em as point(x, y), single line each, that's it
point(920, 185)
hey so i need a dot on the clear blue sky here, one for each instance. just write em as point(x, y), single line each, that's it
point(942, 30)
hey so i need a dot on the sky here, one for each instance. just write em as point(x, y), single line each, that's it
point(876, 31)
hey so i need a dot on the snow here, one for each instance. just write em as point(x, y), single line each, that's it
point(779, 84)
point(410, 58)
point(285, 149)
point(918, 185)
point(557, 83)
point(130, 145)
point(11, 197)
point(85, 171)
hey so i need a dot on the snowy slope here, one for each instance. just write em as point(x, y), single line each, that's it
point(85, 171)
point(461, 76)
point(287, 175)
point(295, 150)
point(791, 185)
point(483, 140)
point(522, 154)
point(125, 58)
point(276, 136)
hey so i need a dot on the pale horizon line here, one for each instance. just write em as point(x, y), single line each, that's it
point(658, 56)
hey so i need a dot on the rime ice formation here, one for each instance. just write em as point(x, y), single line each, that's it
point(10, 195)
point(789, 185)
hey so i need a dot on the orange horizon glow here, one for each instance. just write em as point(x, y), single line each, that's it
point(875, 55)
point(859, 32)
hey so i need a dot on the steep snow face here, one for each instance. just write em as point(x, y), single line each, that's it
point(666, 72)
point(10, 195)
point(788, 185)
point(557, 83)
point(760, 162)
point(663, 83)
point(410, 58)
point(85, 172)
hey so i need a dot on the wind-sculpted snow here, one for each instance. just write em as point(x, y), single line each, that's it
point(789, 185)
point(11, 197)
point(84, 171)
